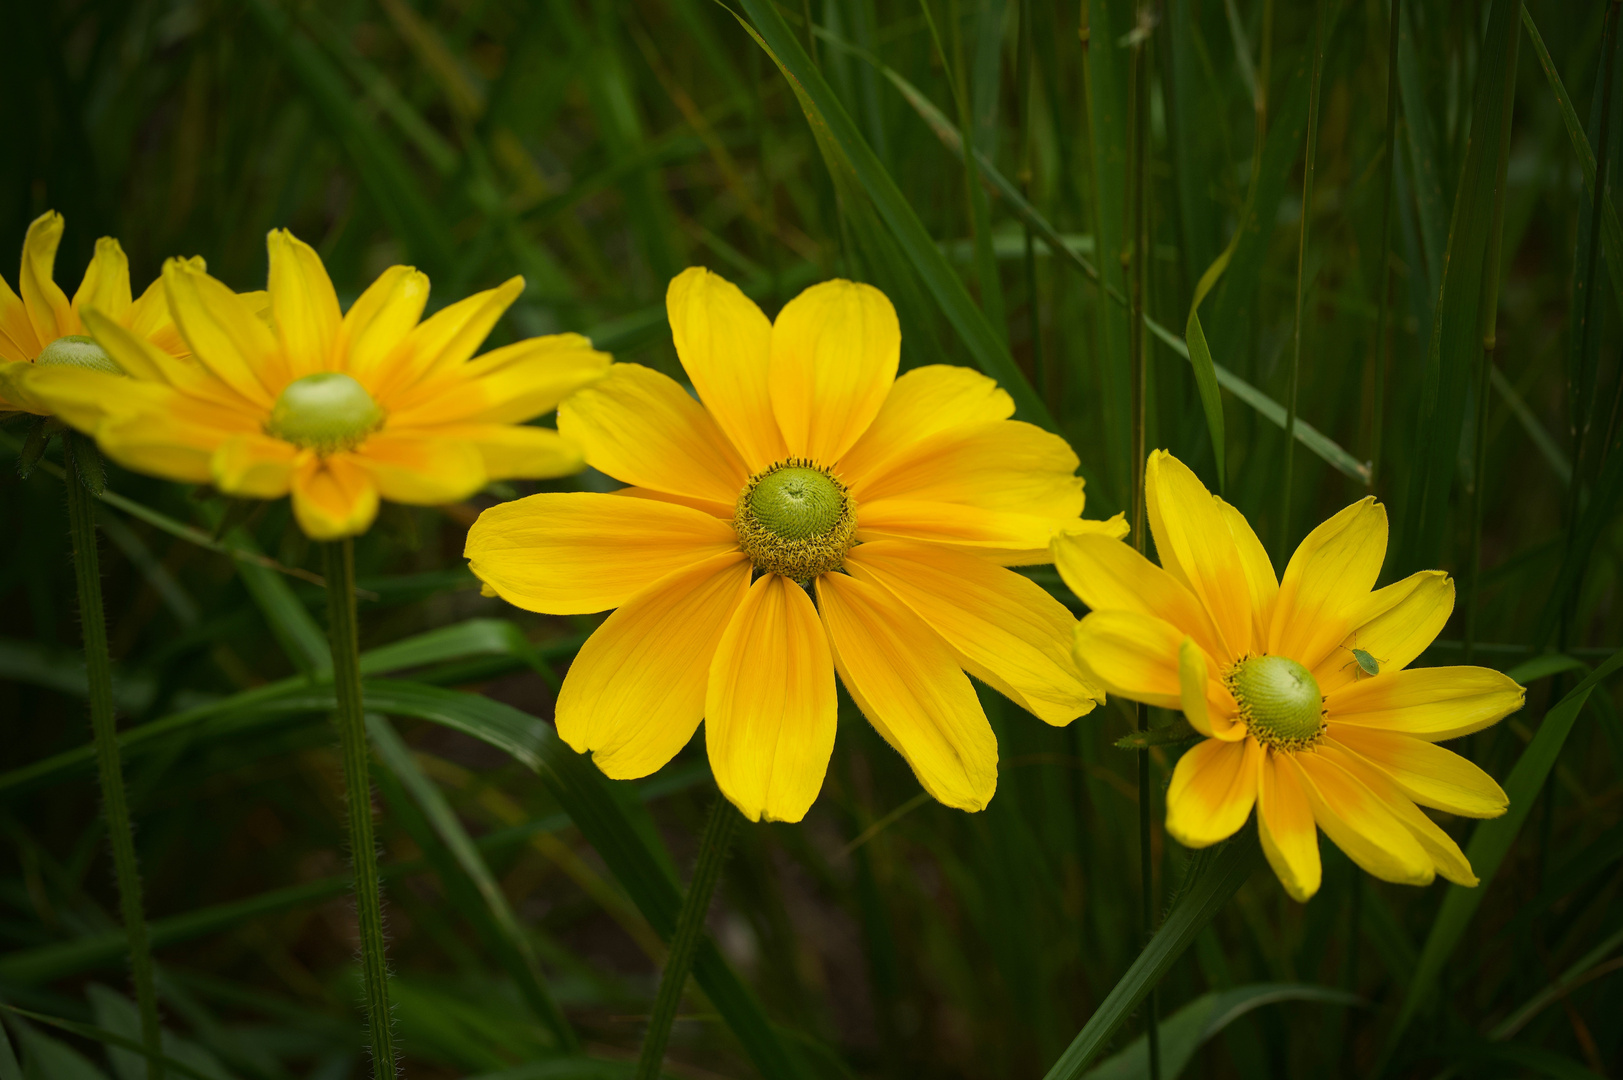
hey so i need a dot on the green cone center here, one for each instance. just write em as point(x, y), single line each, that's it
point(324, 412)
point(796, 520)
point(76, 350)
point(1279, 700)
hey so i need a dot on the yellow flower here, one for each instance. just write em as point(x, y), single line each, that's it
point(1265, 669)
point(337, 408)
point(897, 502)
point(42, 330)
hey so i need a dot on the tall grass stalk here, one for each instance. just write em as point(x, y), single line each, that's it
point(84, 470)
point(1383, 269)
point(338, 559)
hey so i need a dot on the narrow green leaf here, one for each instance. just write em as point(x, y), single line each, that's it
point(828, 118)
point(60, 1069)
point(1179, 731)
point(1214, 875)
point(9, 1069)
point(1492, 840)
point(300, 636)
point(1205, 369)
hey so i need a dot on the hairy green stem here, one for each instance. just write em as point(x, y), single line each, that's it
point(338, 559)
point(99, 675)
point(718, 834)
point(1383, 270)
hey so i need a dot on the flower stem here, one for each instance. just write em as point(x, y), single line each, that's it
point(718, 834)
point(338, 558)
point(98, 670)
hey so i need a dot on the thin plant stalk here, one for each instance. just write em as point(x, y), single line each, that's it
point(81, 464)
point(338, 558)
point(1383, 270)
point(1301, 280)
point(1022, 81)
point(1135, 255)
point(718, 834)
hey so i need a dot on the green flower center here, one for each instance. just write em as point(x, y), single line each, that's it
point(1279, 701)
point(796, 520)
point(325, 412)
point(77, 351)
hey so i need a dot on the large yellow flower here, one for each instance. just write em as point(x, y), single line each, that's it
point(898, 502)
point(1265, 668)
point(336, 408)
point(43, 330)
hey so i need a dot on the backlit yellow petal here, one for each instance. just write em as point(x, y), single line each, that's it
point(18, 341)
point(835, 349)
point(1285, 825)
point(1260, 578)
point(106, 284)
point(642, 428)
point(1213, 789)
point(504, 386)
point(1207, 704)
point(1394, 625)
point(304, 307)
point(153, 442)
point(1008, 539)
point(443, 341)
point(225, 334)
point(725, 345)
point(1006, 466)
point(1003, 628)
point(908, 684)
point(254, 466)
point(1445, 855)
point(512, 451)
point(1428, 703)
point(379, 320)
point(1427, 773)
point(635, 693)
point(421, 470)
point(1195, 546)
point(49, 313)
point(1108, 575)
point(770, 705)
point(332, 497)
point(921, 403)
point(1361, 824)
point(578, 552)
point(1132, 655)
point(1328, 578)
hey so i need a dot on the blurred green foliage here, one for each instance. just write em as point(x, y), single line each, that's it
point(598, 147)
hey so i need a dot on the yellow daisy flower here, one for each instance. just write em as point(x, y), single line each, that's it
point(43, 330)
point(338, 409)
point(806, 461)
point(1265, 668)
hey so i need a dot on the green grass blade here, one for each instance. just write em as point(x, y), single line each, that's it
point(109, 1038)
point(1492, 840)
point(1215, 875)
point(835, 129)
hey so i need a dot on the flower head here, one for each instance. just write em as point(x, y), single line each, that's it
point(336, 408)
point(810, 513)
point(1265, 669)
point(43, 337)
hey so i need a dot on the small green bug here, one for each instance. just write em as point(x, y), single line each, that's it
point(1366, 661)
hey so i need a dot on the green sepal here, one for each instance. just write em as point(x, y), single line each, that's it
point(36, 442)
point(1173, 734)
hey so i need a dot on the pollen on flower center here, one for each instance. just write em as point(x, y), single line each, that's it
point(76, 350)
point(325, 412)
point(1279, 701)
point(796, 520)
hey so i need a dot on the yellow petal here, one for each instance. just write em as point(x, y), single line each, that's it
point(1006, 465)
point(106, 284)
point(1394, 625)
point(1108, 575)
point(379, 320)
point(1003, 628)
point(225, 334)
point(136, 356)
point(49, 313)
point(444, 341)
point(504, 386)
point(1428, 774)
point(1260, 578)
point(255, 466)
point(511, 451)
point(1192, 538)
point(1207, 704)
point(304, 307)
point(835, 348)
point(725, 345)
point(908, 684)
point(1213, 789)
point(770, 706)
point(724, 511)
point(921, 403)
point(636, 691)
point(1328, 579)
point(642, 428)
point(1428, 703)
point(153, 442)
point(1445, 855)
point(1008, 539)
point(1132, 655)
point(333, 497)
point(18, 342)
point(1361, 824)
point(578, 552)
point(1290, 839)
point(421, 470)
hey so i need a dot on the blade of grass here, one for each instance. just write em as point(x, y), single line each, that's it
point(1383, 268)
point(157, 1061)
